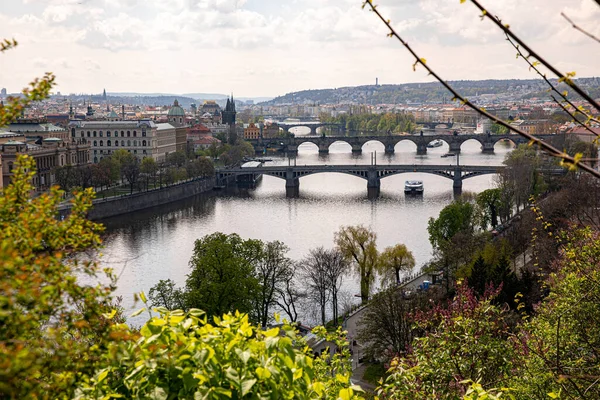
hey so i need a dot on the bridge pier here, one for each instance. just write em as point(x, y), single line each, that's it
point(291, 150)
point(323, 148)
point(421, 149)
point(455, 147)
point(373, 184)
point(292, 184)
point(313, 130)
point(356, 148)
point(487, 147)
point(457, 180)
point(389, 148)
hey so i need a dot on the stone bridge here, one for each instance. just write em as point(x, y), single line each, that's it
point(290, 144)
point(371, 173)
point(312, 125)
point(433, 125)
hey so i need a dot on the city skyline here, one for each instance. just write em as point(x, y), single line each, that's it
point(269, 48)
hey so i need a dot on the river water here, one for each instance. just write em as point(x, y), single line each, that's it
point(154, 244)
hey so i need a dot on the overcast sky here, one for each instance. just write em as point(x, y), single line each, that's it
point(271, 47)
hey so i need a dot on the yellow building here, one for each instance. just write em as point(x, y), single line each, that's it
point(251, 131)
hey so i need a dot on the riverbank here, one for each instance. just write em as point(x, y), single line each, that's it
point(118, 205)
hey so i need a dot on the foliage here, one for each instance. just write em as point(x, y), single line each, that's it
point(560, 345)
point(457, 217)
point(52, 328)
point(181, 355)
point(393, 260)
point(367, 122)
point(522, 178)
point(465, 341)
point(358, 246)
point(166, 294)
point(490, 202)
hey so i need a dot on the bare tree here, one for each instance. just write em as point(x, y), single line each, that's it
point(289, 297)
point(314, 273)
point(335, 268)
point(273, 271)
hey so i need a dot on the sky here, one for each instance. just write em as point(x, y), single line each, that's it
point(271, 47)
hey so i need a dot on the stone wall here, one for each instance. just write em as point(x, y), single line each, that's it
point(117, 205)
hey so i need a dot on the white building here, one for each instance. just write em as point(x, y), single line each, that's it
point(143, 138)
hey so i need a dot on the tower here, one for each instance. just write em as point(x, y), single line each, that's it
point(104, 95)
point(228, 117)
point(71, 113)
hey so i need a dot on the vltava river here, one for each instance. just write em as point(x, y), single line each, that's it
point(155, 244)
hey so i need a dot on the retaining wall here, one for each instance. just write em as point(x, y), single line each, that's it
point(117, 205)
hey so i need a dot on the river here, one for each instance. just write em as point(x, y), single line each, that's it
point(154, 244)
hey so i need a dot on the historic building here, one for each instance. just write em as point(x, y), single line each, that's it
point(228, 117)
point(49, 154)
point(176, 118)
point(251, 131)
point(143, 138)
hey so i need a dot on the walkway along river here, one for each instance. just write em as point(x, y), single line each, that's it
point(149, 245)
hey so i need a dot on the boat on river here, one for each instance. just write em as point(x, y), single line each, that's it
point(435, 143)
point(415, 187)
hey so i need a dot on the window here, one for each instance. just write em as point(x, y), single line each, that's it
point(116, 143)
point(135, 143)
point(107, 133)
point(95, 160)
point(134, 133)
point(95, 151)
point(180, 120)
point(144, 151)
point(129, 143)
point(82, 134)
point(135, 152)
point(95, 144)
point(128, 133)
point(94, 133)
point(101, 143)
point(123, 143)
point(108, 143)
point(10, 167)
point(144, 132)
point(89, 134)
point(72, 132)
point(122, 133)
point(144, 143)
point(101, 133)
point(116, 133)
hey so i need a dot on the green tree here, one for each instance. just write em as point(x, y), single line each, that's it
point(177, 159)
point(149, 168)
point(393, 260)
point(130, 169)
point(489, 201)
point(358, 245)
point(222, 277)
point(458, 216)
point(166, 294)
point(52, 328)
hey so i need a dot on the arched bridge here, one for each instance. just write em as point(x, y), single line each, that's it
point(290, 144)
point(371, 173)
point(433, 125)
point(312, 125)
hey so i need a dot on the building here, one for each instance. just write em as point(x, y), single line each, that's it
point(49, 155)
point(270, 131)
point(37, 129)
point(228, 117)
point(176, 118)
point(210, 107)
point(140, 137)
point(251, 131)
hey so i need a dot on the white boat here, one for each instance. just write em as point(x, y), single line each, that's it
point(413, 187)
point(435, 143)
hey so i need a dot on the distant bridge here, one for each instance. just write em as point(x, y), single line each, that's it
point(371, 173)
point(290, 144)
point(312, 125)
point(433, 124)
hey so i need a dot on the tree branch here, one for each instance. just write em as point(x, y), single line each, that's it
point(562, 77)
point(575, 26)
point(566, 159)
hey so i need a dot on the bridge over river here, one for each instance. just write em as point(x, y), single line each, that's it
point(371, 173)
point(290, 143)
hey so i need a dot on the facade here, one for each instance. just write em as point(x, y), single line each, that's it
point(270, 131)
point(51, 154)
point(177, 119)
point(38, 129)
point(251, 131)
point(138, 137)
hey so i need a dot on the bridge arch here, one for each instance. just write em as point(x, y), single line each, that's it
point(405, 144)
point(374, 142)
point(471, 143)
point(504, 138)
point(347, 145)
point(313, 144)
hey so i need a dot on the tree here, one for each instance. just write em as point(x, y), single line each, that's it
point(336, 267)
point(465, 341)
point(166, 294)
point(130, 169)
point(222, 277)
point(273, 270)
point(314, 274)
point(149, 168)
point(358, 246)
point(489, 201)
point(206, 167)
point(458, 216)
point(387, 325)
point(176, 159)
point(393, 260)
point(52, 326)
point(289, 297)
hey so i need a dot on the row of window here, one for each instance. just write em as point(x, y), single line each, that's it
point(110, 152)
point(142, 143)
point(108, 133)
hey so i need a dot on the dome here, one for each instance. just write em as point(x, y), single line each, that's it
point(176, 110)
